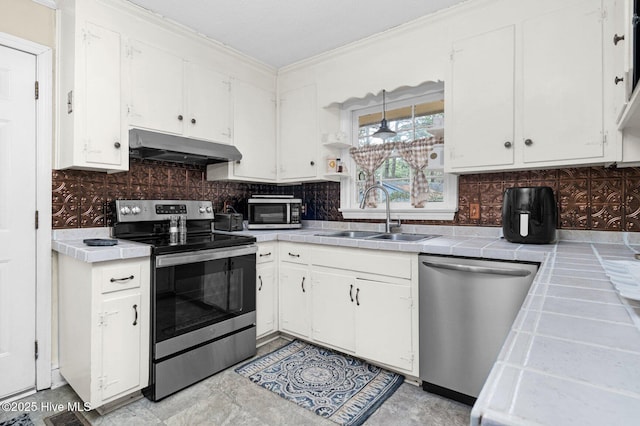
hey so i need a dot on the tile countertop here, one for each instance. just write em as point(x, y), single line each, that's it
point(70, 242)
point(573, 353)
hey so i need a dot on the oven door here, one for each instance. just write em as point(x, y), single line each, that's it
point(202, 295)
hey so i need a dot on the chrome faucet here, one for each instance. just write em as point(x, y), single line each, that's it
point(387, 227)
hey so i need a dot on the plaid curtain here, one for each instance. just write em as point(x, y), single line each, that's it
point(416, 154)
point(369, 158)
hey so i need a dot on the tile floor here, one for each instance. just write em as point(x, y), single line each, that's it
point(230, 399)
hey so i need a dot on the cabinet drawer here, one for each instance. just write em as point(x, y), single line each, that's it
point(266, 253)
point(120, 277)
point(295, 253)
point(390, 264)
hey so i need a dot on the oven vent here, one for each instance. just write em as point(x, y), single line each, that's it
point(177, 149)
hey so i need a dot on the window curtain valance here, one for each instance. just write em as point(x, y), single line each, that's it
point(369, 158)
point(416, 153)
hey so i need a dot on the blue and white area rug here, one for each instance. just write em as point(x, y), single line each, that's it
point(338, 387)
point(21, 420)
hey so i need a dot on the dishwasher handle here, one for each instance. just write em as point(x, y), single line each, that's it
point(479, 269)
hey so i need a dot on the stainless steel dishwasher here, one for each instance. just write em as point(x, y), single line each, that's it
point(467, 307)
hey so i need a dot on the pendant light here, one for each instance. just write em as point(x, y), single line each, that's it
point(384, 132)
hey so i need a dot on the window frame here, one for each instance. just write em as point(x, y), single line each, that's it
point(349, 205)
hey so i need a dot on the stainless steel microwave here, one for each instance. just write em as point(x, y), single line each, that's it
point(274, 212)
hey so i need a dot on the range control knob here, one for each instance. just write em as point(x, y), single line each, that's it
point(125, 210)
point(135, 210)
point(209, 209)
point(201, 209)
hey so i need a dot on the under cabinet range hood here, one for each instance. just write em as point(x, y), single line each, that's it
point(177, 149)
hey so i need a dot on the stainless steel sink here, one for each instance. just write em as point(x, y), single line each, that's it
point(402, 237)
point(350, 234)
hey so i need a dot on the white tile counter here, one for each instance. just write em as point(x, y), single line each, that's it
point(70, 242)
point(573, 353)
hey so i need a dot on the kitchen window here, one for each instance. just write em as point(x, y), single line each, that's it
point(418, 120)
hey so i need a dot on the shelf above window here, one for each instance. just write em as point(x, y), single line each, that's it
point(337, 145)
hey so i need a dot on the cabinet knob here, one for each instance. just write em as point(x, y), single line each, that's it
point(617, 38)
point(618, 79)
point(193, 121)
point(507, 144)
point(116, 145)
point(180, 117)
point(313, 163)
point(528, 142)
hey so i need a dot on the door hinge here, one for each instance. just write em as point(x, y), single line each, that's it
point(37, 90)
point(36, 353)
point(37, 219)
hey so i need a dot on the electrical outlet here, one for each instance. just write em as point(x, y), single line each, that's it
point(474, 211)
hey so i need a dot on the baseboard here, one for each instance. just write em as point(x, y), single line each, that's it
point(56, 379)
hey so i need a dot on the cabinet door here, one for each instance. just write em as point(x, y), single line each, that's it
point(298, 133)
point(294, 289)
point(266, 299)
point(254, 131)
point(102, 127)
point(332, 309)
point(480, 121)
point(383, 322)
point(563, 84)
point(207, 104)
point(156, 99)
point(121, 339)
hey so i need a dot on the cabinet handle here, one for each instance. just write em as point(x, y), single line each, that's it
point(302, 285)
point(528, 142)
point(351, 292)
point(617, 38)
point(193, 121)
point(260, 278)
point(135, 309)
point(121, 280)
point(180, 117)
point(357, 297)
point(618, 80)
point(117, 145)
point(266, 254)
point(293, 255)
point(507, 144)
point(313, 163)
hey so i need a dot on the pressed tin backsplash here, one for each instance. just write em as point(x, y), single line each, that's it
point(594, 198)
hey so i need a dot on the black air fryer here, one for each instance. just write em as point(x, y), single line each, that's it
point(529, 215)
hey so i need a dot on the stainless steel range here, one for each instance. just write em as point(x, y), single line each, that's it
point(202, 289)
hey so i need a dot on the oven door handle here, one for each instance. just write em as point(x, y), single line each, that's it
point(167, 260)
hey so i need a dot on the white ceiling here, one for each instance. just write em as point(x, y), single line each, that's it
point(281, 32)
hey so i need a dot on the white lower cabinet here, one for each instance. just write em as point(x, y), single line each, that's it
point(384, 322)
point(266, 290)
point(333, 309)
point(104, 327)
point(359, 301)
point(294, 299)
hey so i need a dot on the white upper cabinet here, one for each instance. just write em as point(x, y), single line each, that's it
point(156, 98)
point(530, 94)
point(174, 96)
point(480, 122)
point(298, 138)
point(207, 104)
point(254, 126)
point(562, 62)
point(91, 135)
point(254, 134)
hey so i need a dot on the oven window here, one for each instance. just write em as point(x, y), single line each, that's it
point(195, 295)
point(268, 213)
